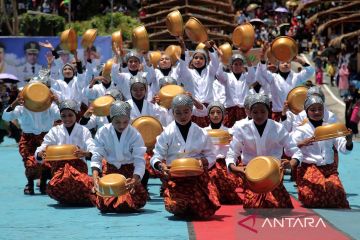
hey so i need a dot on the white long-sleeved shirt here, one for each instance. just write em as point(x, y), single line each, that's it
point(321, 152)
point(98, 90)
point(235, 90)
point(58, 135)
point(170, 145)
point(33, 122)
point(280, 87)
point(130, 149)
point(248, 143)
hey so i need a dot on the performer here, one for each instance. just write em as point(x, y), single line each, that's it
point(262, 137)
point(225, 182)
point(34, 126)
point(122, 148)
point(70, 182)
point(188, 196)
point(318, 181)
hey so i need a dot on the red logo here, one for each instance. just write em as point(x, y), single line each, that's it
point(241, 223)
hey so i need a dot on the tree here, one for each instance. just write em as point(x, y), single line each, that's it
point(10, 17)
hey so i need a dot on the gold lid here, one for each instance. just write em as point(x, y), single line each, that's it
point(60, 152)
point(174, 52)
point(296, 99)
point(330, 131)
point(243, 36)
point(263, 174)
point(195, 31)
point(219, 136)
point(140, 39)
point(68, 40)
point(284, 48)
point(154, 58)
point(106, 71)
point(174, 23)
point(102, 105)
point(185, 167)
point(149, 128)
point(226, 49)
point(36, 97)
point(88, 38)
point(167, 93)
point(116, 39)
point(112, 185)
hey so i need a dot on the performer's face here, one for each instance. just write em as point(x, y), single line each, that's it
point(285, 66)
point(138, 91)
point(238, 66)
point(68, 72)
point(68, 117)
point(120, 123)
point(133, 64)
point(198, 60)
point(182, 114)
point(31, 58)
point(316, 112)
point(216, 115)
point(259, 113)
point(165, 62)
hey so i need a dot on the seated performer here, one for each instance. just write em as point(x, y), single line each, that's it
point(186, 196)
point(122, 148)
point(317, 178)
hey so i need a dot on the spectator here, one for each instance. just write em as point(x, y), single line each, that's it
point(343, 80)
point(46, 8)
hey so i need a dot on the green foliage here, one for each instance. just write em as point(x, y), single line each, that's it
point(103, 25)
point(40, 24)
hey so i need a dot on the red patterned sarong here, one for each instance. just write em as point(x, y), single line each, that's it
point(70, 183)
point(320, 186)
point(27, 146)
point(125, 203)
point(191, 196)
point(276, 116)
point(226, 183)
point(233, 114)
point(148, 155)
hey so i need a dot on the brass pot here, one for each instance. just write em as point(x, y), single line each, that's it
point(284, 48)
point(167, 93)
point(68, 40)
point(88, 38)
point(112, 185)
point(140, 39)
point(154, 58)
point(330, 131)
point(36, 96)
point(174, 23)
point(116, 39)
point(226, 49)
point(106, 71)
point(296, 99)
point(195, 31)
point(219, 136)
point(149, 128)
point(263, 174)
point(174, 52)
point(60, 152)
point(102, 105)
point(243, 36)
point(185, 167)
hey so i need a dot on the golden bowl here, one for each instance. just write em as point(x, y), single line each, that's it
point(36, 96)
point(107, 68)
point(140, 39)
point(185, 167)
point(174, 23)
point(284, 48)
point(149, 128)
point(296, 99)
point(116, 39)
point(167, 93)
point(154, 58)
point(243, 36)
point(195, 31)
point(330, 131)
point(88, 38)
point(219, 136)
point(174, 52)
point(112, 185)
point(263, 174)
point(60, 152)
point(102, 105)
point(68, 40)
point(226, 49)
